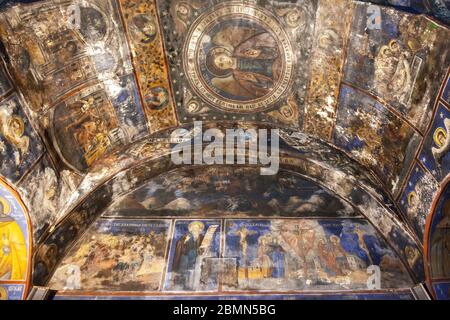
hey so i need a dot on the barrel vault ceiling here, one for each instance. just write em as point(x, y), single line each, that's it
point(91, 91)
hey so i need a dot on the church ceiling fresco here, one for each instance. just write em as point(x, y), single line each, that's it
point(417, 199)
point(275, 250)
point(77, 76)
point(236, 255)
point(16, 245)
point(439, 9)
point(90, 92)
point(402, 56)
point(428, 173)
point(232, 62)
point(331, 38)
point(434, 154)
point(144, 36)
point(137, 93)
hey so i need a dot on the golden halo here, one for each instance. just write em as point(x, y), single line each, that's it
point(6, 206)
point(3, 294)
point(196, 224)
point(436, 139)
point(410, 197)
point(15, 119)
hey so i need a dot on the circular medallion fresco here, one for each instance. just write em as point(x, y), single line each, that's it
point(238, 58)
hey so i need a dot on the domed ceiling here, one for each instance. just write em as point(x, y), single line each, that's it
point(91, 93)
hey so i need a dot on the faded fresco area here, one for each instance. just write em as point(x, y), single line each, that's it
point(258, 255)
point(95, 124)
point(91, 90)
point(417, 199)
point(77, 75)
point(66, 51)
point(399, 59)
point(45, 191)
point(15, 244)
point(241, 61)
point(435, 152)
point(374, 135)
point(331, 37)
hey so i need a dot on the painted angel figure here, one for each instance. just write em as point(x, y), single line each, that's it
point(393, 74)
point(442, 140)
point(245, 63)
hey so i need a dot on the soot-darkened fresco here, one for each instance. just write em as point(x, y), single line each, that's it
point(438, 246)
point(118, 255)
point(331, 36)
point(233, 192)
point(45, 191)
point(375, 136)
point(402, 58)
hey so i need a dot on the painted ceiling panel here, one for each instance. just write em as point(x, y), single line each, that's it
point(375, 136)
point(201, 192)
point(268, 253)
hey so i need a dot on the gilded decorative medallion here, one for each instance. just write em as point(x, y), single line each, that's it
point(239, 58)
